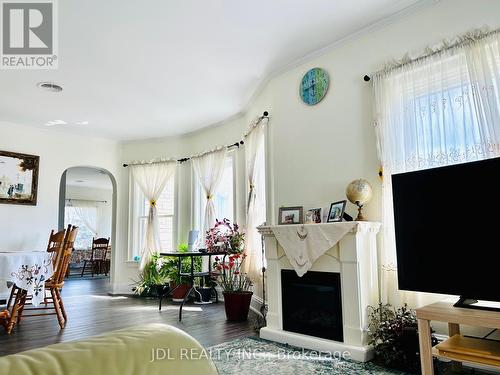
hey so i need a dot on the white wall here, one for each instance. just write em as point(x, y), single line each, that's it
point(28, 227)
point(104, 203)
point(315, 151)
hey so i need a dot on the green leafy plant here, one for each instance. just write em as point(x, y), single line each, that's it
point(161, 270)
point(171, 265)
point(153, 275)
point(393, 334)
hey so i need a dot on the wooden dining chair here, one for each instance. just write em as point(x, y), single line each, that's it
point(54, 284)
point(106, 261)
point(54, 247)
point(97, 256)
point(8, 320)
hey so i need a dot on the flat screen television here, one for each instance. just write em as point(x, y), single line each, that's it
point(447, 226)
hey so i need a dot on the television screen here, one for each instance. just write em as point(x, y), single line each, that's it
point(447, 224)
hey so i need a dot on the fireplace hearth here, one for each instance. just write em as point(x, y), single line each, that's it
point(312, 304)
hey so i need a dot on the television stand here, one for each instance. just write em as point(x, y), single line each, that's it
point(470, 303)
point(457, 348)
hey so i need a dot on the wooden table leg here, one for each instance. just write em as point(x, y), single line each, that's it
point(424, 339)
point(454, 329)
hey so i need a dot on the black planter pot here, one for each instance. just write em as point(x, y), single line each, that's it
point(161, 290)
point(203, 294)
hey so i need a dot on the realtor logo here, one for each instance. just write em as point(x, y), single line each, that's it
point(29, 34)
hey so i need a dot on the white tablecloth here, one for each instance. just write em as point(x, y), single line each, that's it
point(28, 270)
point(304, 243)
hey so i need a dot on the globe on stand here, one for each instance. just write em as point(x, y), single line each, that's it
point(359, 192)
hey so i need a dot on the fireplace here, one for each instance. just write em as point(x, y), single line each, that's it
point(334, 293)
point(312, 304)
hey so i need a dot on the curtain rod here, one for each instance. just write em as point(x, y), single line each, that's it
point(85, 200)
point(236, 144)
point(467, 38)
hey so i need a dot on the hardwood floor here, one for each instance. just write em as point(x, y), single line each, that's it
point(91, 311)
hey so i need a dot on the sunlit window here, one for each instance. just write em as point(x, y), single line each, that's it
point(165, 207)
point(223, 198)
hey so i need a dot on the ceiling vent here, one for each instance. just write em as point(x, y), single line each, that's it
point(50, 86)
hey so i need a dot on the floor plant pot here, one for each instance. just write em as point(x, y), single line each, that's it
point(180, 292)
point(237, 305)
point(203, 294)
point(161, 290)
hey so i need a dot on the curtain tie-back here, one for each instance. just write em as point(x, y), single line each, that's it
point(209, 196)
point(152, 203)
point(250, 194)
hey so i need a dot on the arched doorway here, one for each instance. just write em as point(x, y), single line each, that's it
point(87, 198)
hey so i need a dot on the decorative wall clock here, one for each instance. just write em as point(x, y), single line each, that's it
point(314, 86)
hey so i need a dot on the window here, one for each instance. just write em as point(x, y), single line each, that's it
point(165, 207)
point(85, 234)
point(223, 198)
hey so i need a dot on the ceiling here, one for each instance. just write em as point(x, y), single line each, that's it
point(88, 178)
point(136, 70)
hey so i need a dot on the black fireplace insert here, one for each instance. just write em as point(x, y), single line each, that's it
point(312, 304)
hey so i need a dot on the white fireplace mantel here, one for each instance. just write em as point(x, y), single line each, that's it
point(355, 258)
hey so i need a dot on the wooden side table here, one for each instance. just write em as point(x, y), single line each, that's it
point(458, 348)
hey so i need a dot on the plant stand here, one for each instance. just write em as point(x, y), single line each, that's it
point(191, 275)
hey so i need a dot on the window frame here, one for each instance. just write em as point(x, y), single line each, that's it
point(196, 194)
point(136, 200)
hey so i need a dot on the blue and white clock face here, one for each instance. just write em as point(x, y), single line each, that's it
point(314, 86)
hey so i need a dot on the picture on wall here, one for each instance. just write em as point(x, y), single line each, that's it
point(336, 212)
point(291, 215)
point(18, 178)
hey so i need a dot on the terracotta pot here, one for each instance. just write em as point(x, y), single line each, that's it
point(179, 293)
point(237, 305)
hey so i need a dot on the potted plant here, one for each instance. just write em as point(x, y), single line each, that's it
point(235, 285)
point(180, 284)
point(153, 280)
point(226, 237)
point(394, 336)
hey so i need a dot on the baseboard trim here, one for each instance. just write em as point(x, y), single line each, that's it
point(357, 353)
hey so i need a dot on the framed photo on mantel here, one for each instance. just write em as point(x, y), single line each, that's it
point(291, 215)
point(18, 178)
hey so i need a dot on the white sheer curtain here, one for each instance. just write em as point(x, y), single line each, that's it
point(256, 204)
point(208, 169)
point(438, 110)
point(152, 179)
point(87, 212)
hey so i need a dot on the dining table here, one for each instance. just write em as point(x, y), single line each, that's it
point(28, 270)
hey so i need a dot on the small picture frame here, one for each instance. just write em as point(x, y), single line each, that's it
point(336, 212)
point(313, 216)
point(291, 215)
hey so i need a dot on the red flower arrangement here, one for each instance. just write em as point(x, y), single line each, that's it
point(228, 274)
